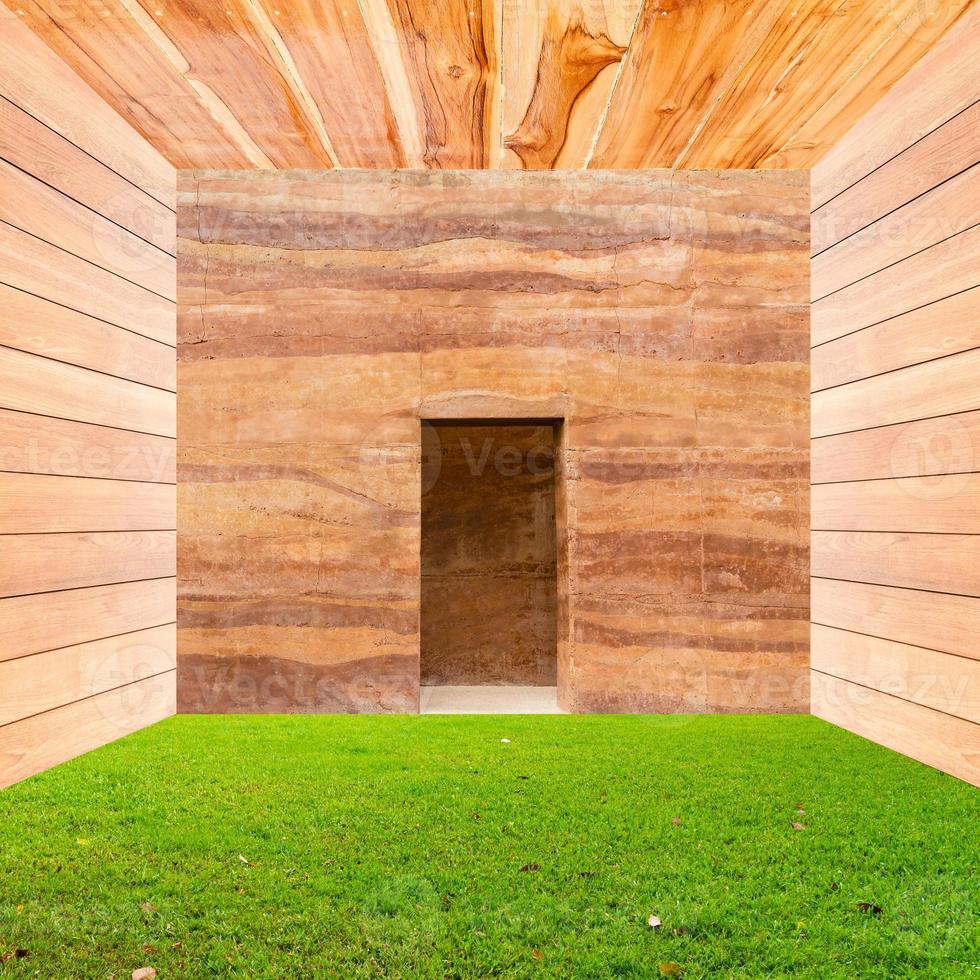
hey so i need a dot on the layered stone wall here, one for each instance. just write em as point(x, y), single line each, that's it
point(662, 315)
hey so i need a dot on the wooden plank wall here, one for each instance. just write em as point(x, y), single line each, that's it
point(87, 417)
point(896, 418)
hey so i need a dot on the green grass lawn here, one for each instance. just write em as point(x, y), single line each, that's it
point(281, 846)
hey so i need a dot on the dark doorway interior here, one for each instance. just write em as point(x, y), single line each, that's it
point(489, 553)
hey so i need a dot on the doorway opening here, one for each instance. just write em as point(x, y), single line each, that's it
point(489, 566)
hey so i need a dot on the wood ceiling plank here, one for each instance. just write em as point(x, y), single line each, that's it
point(496, 83)
point(559, 64)
point(943, 82)
point(144, 79)
point(450, 54)
point(683, 56)
point(860, 54)
point(233, 63)
point(768, 90)
point(33, 78)
point(330, 48)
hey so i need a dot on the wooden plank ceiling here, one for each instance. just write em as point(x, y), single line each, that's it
point(491, 83)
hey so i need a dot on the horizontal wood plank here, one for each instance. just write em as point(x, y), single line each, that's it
point(937, 680)
point(38, 326)
point(57, 677)
point(945, 447)
point(29, 383)
point(32, 206)
point(38, 743)
point(940, 214)
point(948, 327)
point(39, 82)
point(45, 562)
point(940, 271)
point(942, 387)
point(934, 562)
point(40, 151)
point(31, 504)
point(921, 504)
point(943, 83)
point(32, 444)
point(34, 266)
point(31, 624)
point(940, 622)
point(942, 154)
point(939, 740)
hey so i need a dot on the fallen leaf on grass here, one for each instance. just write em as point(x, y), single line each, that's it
point(654, 922)
point(149, 949)
point(798, 826)
point(676, 821)
point(147, 907)
point(537, 954)
point(531, 867)
point(870, 907)
point(144, 973)
point(670, 970)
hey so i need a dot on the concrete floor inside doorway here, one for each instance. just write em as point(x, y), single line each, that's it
point(455, 699)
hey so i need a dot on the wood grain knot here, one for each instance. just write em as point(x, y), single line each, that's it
point(570, 60)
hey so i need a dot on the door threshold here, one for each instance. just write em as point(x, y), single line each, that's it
point(485, 700)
